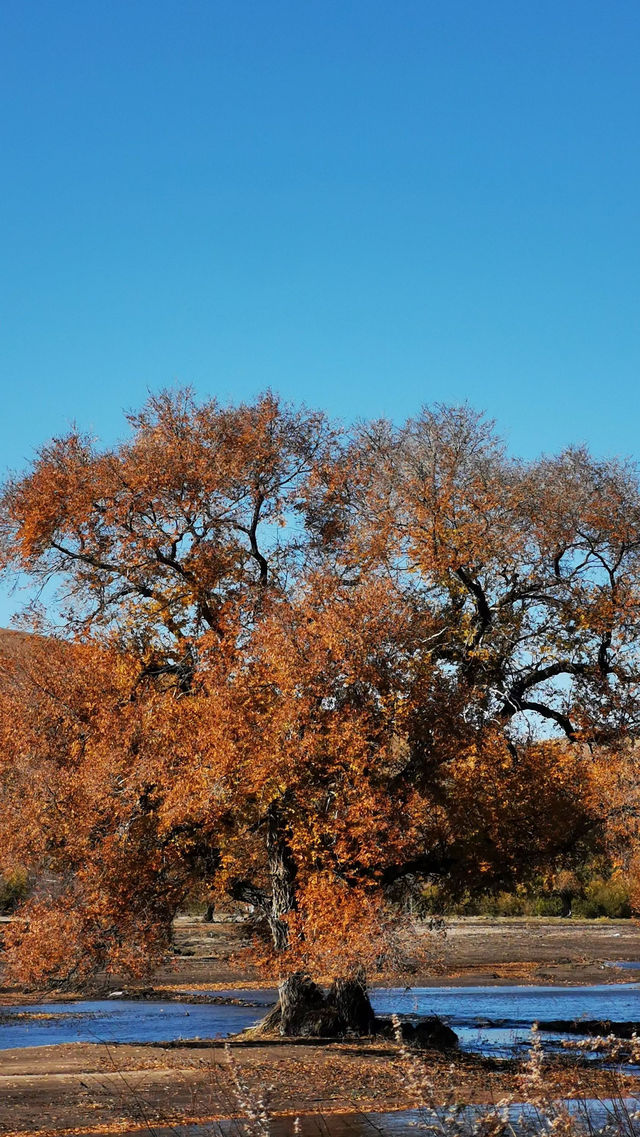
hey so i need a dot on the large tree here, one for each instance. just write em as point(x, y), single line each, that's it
point(306, 669)
point(533, 568)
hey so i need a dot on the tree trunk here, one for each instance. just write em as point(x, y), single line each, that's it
point(565, 900)
point(273, 904)
point(304, 1010)
point(282, 873)
point(349, 996)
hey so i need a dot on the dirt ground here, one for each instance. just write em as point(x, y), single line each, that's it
point(90, 1087)
point(469, 951)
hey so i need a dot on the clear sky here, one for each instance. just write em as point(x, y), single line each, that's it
point(365, 205)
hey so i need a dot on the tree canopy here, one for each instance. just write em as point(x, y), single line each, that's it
point(308, 667)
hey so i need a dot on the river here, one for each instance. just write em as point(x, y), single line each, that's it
point(491, 1020)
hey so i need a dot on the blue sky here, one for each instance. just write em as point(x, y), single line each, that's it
point(363, 205)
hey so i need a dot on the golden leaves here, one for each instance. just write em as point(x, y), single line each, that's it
point(308, 665)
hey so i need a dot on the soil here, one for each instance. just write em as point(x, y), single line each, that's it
point(91, 1087)
point(467, 951)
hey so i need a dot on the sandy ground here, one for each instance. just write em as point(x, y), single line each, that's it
point(472, 950)
point(81, 1087)
point(56, 1090)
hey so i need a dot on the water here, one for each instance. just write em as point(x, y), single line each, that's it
point(120, 1020)
point(491, 1020)
point(591, 1115)
point(497, 1020)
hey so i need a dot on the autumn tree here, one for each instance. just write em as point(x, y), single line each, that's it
point(533, 568)
point(306, 668)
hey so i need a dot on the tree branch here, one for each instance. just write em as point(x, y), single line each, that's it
point(483, 611)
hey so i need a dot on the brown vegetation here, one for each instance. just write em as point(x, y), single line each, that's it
point(303, 671)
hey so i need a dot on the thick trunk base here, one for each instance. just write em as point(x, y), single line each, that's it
point(304, 1010)
point(352, 1004)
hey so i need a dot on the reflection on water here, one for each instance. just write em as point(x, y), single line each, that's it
point(592, 1117)
point(491, 1020)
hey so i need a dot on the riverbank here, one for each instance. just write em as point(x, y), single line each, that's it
point(93, 1087)
point(469, 951)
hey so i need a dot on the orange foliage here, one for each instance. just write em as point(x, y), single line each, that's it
point(306, 670)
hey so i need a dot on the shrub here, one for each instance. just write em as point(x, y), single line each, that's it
point(14, 887)
point(605, 898)
point(546, 906)
point(507, 904)
point(608, 897)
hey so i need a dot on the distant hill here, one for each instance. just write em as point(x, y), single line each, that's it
point(14, 644)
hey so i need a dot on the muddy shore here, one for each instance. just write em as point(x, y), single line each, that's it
point(471, 951)
point(89, 1087)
